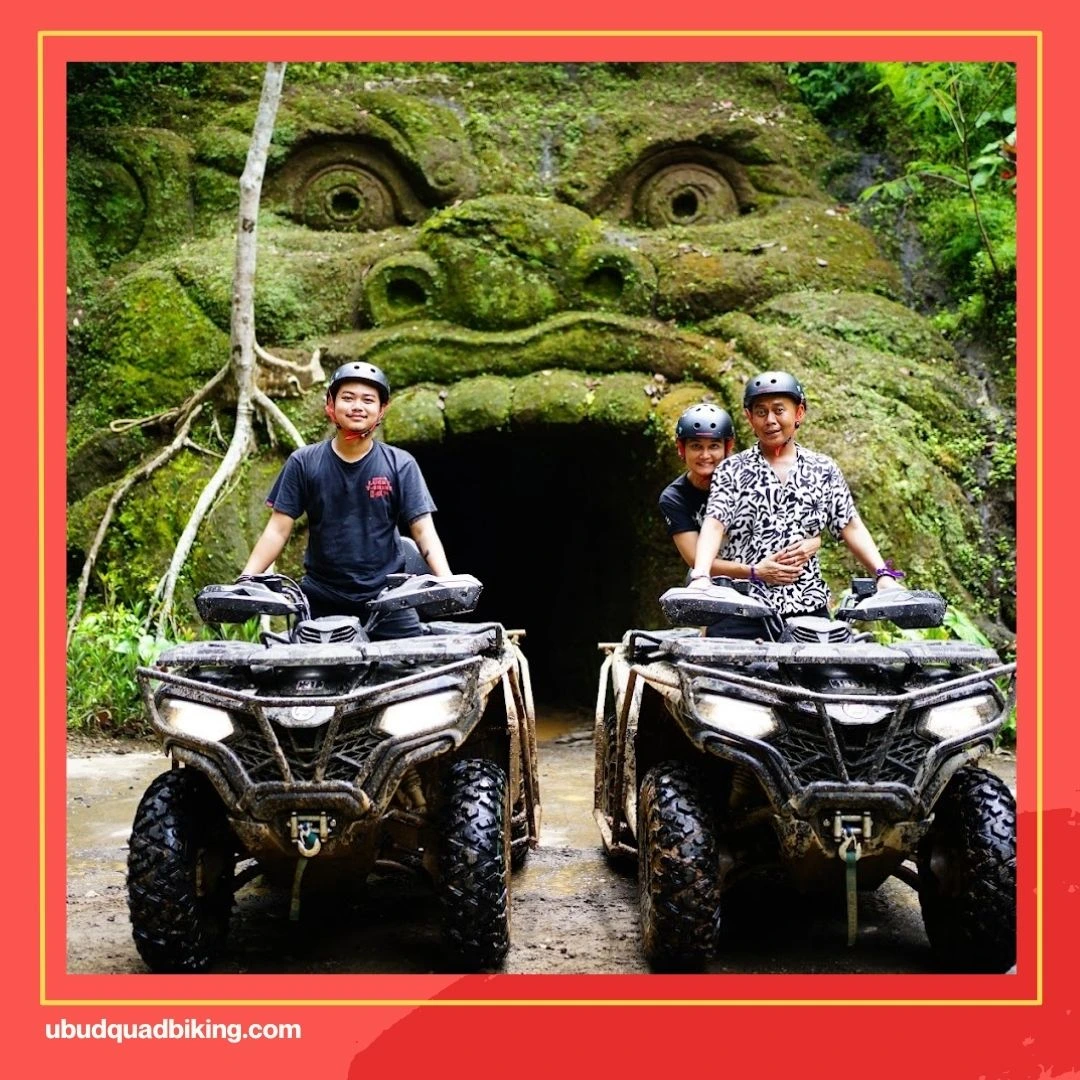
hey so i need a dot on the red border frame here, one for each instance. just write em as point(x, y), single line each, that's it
point(1025, 1029)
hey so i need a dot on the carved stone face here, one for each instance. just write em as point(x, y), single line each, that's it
point(550, 262)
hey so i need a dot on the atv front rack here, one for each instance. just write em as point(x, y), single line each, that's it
point(814, 762)
point(305, 749)
point(723, 652)
point(448, 641)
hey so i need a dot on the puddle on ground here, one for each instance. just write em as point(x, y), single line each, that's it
point(553, 722)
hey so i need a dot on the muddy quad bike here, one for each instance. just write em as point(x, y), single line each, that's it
point(319, 750)
point(821, 754)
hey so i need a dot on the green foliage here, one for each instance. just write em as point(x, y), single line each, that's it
point(1003, 463)
point(963, 119)
point(959, 179)
point(116, 93)
point(840, 96)
point(823, 87)
point(103, 695)
point(963, 115)
point(957, 626)
point(153, 94)
point(959, 242)
point(107, 646)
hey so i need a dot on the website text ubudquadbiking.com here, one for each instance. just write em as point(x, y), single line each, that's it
point(113, 1031)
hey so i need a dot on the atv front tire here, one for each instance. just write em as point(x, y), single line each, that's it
point(967, 874)
point(678, 883)
point(180, 873)
point(474, 864)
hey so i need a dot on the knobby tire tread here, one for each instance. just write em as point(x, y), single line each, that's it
point(174, 928)
point(474, 864)
point(678, 880)
point(969, 908)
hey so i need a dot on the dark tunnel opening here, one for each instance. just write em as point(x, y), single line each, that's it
point(561, 526)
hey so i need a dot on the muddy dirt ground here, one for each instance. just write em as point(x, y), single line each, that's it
point(572, 912)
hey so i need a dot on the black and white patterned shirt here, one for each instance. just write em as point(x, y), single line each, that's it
point(762, 514)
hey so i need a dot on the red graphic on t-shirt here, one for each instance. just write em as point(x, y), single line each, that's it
point(378, 487)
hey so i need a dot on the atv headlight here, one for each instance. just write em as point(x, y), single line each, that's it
point(958, 717)
point(192, 718)
point(420, 714)
point(744, 718)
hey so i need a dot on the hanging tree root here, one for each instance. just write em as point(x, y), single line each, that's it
point(242, 357)
point(312, 373)
point(141, 473)
point(162, 602)
point(182, 417)
point(290, 377)
point(242, 361)
point(179, 414)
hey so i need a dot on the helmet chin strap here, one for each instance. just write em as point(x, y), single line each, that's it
point(783, 446)
point(365, 433)
point(351, 436)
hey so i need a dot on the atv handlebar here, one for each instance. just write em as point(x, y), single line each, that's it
point(906, 608)
point(251, 595)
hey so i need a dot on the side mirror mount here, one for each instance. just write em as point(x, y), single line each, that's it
point(244, 600)
point(909, 609)
point(432, 597)
point(699, 607)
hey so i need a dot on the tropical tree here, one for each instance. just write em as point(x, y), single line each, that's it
point(244, 354)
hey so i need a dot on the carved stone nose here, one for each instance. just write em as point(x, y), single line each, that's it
point(501, 263)
point(404, 287)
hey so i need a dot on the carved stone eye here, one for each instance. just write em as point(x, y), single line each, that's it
point(346, 197)
point(686, 193)
point(681, 185)
point(347, 185)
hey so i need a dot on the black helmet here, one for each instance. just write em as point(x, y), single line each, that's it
point(773, 382)
point(705, 421)
point(358, 369)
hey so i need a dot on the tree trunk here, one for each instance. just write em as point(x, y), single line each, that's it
point(241, 338)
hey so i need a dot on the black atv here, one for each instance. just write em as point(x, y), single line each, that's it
point(318, 751)
point(813, 751)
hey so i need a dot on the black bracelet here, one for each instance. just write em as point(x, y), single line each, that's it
point(754, 579)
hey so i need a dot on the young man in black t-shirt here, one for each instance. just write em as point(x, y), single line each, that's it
point(356, 493)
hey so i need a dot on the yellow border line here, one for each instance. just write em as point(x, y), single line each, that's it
point(1038, 1000)
point(548, 1002)
point(41, 499)
point(1039, 607)
point(543, 33)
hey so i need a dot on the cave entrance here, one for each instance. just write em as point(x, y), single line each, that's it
point(560, 524)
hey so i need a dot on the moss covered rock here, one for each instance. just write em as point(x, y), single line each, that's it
point(554, 254)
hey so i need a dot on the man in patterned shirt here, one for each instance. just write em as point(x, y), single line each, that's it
point(705, 436)
point(779, 494)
